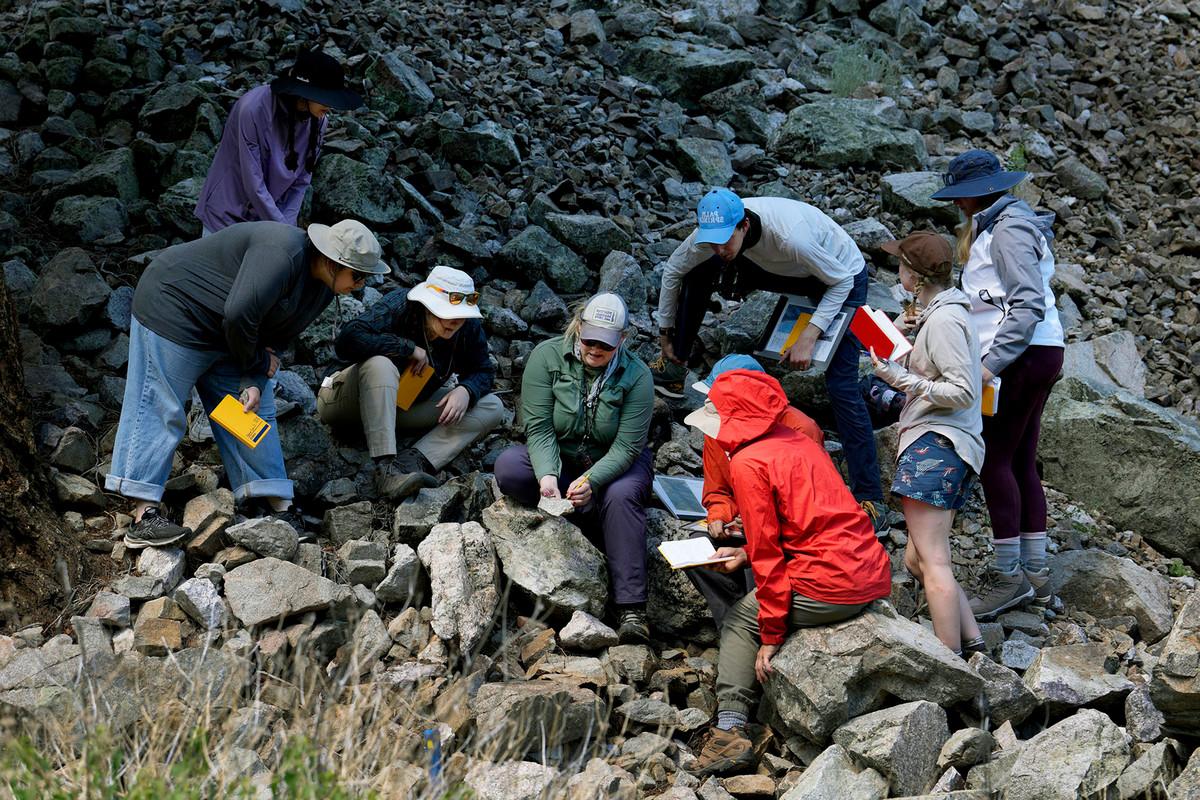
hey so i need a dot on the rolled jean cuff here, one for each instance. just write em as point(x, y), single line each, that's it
point(733, 704)
point(137, 490)
point(269, 487)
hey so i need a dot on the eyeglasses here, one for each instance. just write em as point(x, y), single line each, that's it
point(597, 344)
point(456, 298)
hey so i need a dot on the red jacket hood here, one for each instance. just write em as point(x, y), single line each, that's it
point(749, 404)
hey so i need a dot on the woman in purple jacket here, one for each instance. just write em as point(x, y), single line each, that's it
point(270, 145)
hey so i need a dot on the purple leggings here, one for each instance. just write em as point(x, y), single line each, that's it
point(1015, 499)
point(621, 507)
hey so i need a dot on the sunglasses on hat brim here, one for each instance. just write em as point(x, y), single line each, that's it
point(457, 298)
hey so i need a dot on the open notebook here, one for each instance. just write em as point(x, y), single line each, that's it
point(690, 553)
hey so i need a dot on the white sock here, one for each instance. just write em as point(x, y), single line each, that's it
point(1033, 551)
point(279, 503)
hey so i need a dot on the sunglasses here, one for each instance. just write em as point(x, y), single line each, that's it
point(457, 298)
point(597, 344)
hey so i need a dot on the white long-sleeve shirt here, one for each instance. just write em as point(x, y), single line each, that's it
point(798, 241)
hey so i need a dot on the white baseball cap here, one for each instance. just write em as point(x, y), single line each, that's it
point(448, 293)
point(604, 319)
point(351, 244)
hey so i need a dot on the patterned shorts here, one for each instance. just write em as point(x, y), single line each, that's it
point(931, 471)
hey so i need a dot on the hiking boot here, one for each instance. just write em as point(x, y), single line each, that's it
point(879, 515)
point(154, 530)
point(1040, 581)
point(668, 377)
point(1003, 592)
point(633, 628)
point(403, 475)
point(725, 752)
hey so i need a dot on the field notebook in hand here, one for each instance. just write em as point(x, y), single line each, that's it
point(873, 328)
point(248, 428)
point(690, 553)
point(791, 316)
point(411, 384)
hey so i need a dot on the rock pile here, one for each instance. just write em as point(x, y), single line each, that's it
point(553, 150)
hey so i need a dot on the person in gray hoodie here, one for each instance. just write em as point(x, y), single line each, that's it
point(1004, 247)
point(941, 443)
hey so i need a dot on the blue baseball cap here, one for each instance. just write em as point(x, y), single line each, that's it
point(730, 362)
point(717, 214)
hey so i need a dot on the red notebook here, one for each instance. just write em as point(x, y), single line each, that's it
point(874, 329)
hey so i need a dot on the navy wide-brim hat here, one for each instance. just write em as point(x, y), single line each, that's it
point(318, 77)
point(976, 173)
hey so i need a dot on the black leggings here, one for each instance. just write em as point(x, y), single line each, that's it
point(1015, 499)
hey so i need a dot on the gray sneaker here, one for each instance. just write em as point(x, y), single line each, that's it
point(1002, 592)
point(153, 530)
point(1040, 581)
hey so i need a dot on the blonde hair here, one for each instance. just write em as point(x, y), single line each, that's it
point(964, 238)
point(576, 321)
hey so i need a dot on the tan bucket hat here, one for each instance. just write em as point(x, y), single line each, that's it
point(351, 244)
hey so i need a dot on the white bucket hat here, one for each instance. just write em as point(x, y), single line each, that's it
point(705, 419)
point(351, 244)
point(604, 318)
point(448, 293)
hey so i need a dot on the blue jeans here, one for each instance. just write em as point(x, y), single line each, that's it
point(153, 420)
point(841, 377)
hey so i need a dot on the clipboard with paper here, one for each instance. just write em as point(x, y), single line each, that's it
point(791, 316)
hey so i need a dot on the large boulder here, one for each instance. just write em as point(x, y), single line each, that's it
point(1005, 697)
point(90, 219)
point(461, 563)
point(841, 132)
point(901, 742)
point(704, 160)
point(833, 775)
point(514, 780)
point(397, 88)
point(486, 143)
point(110, 175)
point(591, 235)
point(268, 590)
point(537, 255)
point(1175, 685)
point(1111, 361)
point(345, 188)
point(523, 715)
point(1074, 675)
point(684, 71)
point(1151, 487)
point(823, 677)
point(549, 558)
point(622, 274)
point(908, 194)
point(69, 292)
point(1079, 757)
point(177, 204)
point(1105, 585)
point(170, 113)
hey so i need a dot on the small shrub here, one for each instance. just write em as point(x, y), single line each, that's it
point(853, 67)
point(1017, 159)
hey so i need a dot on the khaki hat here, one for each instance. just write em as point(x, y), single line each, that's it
point(604, 319)
point(705, 419)
point(924, 252)
point(351, 244)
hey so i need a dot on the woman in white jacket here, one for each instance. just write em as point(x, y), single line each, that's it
point(941, 444)
point(1004, 247)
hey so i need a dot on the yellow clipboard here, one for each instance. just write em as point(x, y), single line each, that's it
point(247, 428)
point(798, 328)
point(411, 385)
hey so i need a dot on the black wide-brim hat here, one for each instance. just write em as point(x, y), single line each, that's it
point(976, 173)
point(318, 77)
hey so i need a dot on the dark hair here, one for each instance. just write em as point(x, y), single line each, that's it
point(292, 159)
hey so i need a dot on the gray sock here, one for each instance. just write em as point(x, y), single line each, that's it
point(728, 720)
point(1033, 551)
point(1008, 555)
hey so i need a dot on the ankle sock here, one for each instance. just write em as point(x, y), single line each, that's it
point(976, 645)
point(278, 503)
point(728, 720)
point(1008, 555)
point(1033, 551)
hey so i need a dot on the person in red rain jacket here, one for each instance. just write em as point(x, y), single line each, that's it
point(723, 587)
point(811, 547)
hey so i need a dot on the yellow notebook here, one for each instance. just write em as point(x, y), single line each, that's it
point(411, 384)
point(797, 329)
point(248, 428)
point(991, 397)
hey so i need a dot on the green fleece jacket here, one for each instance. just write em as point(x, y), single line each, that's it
point(553, 393)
